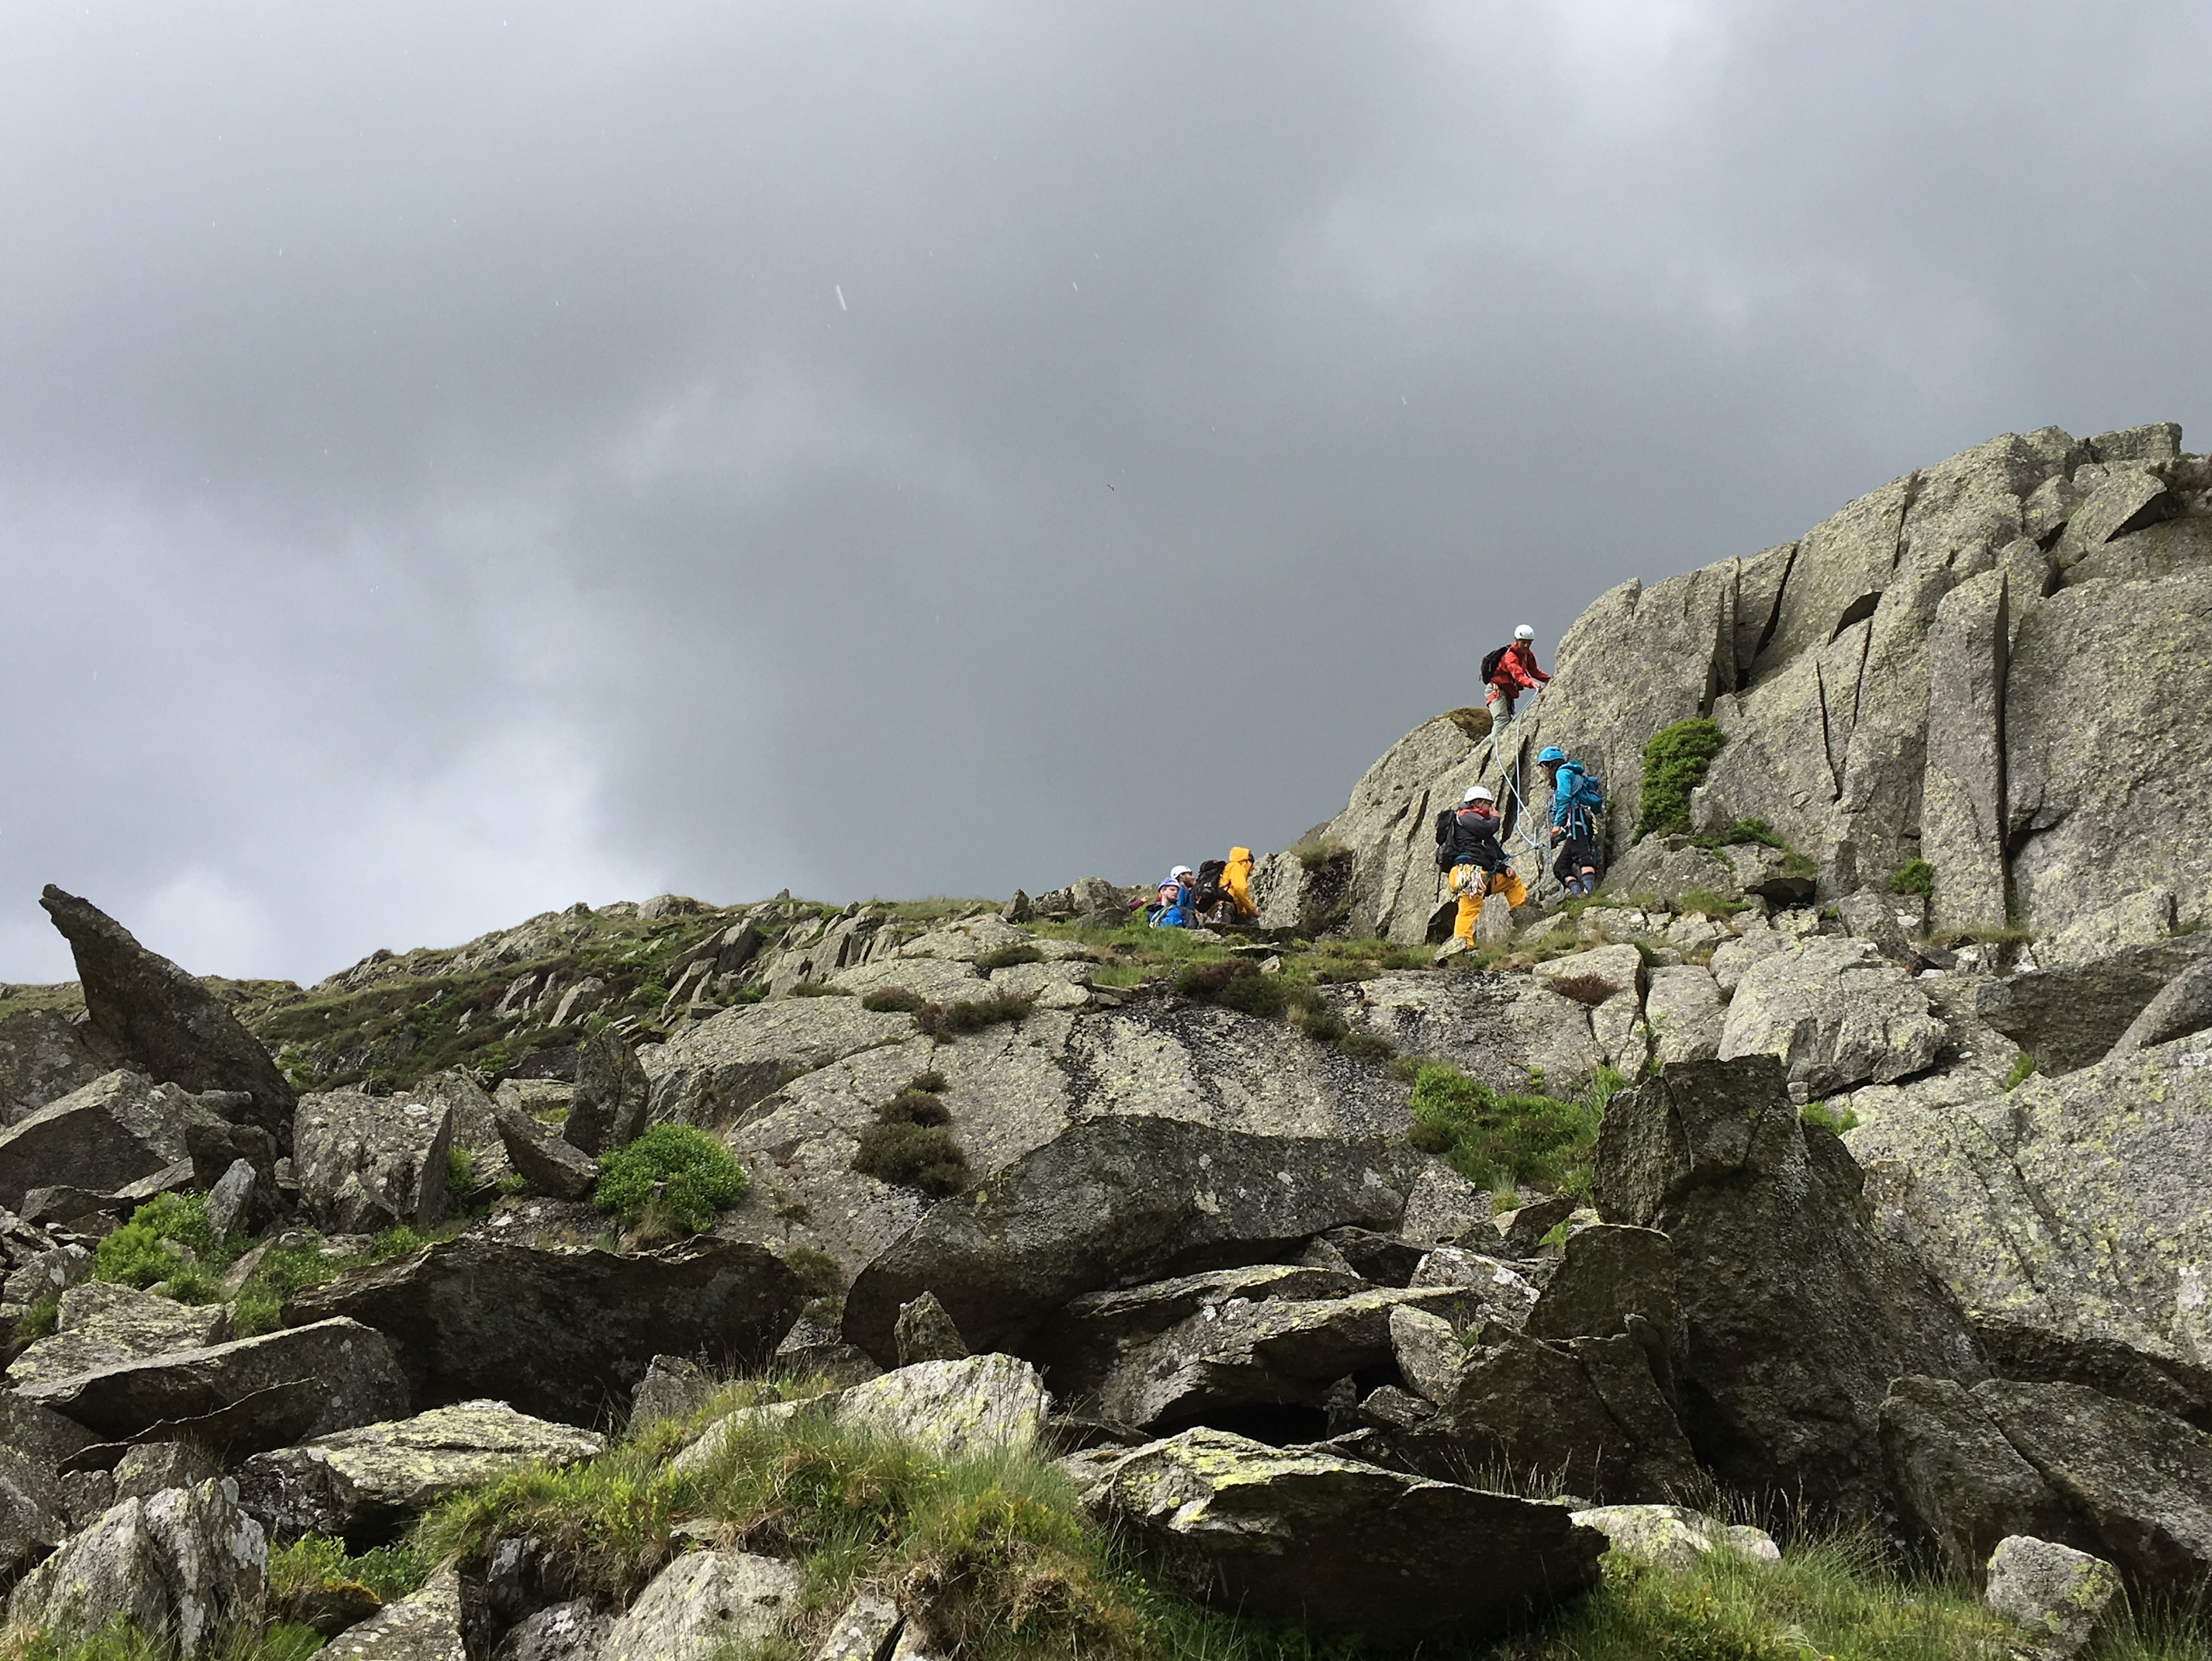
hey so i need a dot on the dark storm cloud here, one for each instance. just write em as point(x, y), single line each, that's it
point(453, 461)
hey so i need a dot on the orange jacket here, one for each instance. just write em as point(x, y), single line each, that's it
point(1517, 668)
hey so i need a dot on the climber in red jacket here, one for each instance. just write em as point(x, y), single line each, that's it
point(1512, 669)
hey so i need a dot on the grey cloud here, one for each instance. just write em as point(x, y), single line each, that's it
point(440, 478)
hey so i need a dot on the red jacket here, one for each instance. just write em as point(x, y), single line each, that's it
point(1517, 668)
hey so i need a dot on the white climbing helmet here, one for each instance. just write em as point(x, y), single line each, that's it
point(1479, 793)
point(1524, 632)
point(1182, 870)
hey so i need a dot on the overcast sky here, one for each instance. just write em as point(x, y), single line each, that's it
point(457, 460)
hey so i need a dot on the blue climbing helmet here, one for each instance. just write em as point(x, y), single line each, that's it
point(1551, 753)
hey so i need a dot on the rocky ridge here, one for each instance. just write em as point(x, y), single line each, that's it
point(1893, 1203)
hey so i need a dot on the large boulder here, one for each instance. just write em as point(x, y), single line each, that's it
point(100, 1324)
point(1340, 1546)
point(1120, 1199)
point(2070, 1017)
point(707, 1603)
point(612, 1092)
point(365, 1482)
point(187, 1564)
point(116, 1130)
point(367, 1163)
point(1501, 1029)
point(44, 1055)
point(565, 1334)
point(2067, 1216)
point(31, 1515)
point(2062, 1462)
point(550, 1164)
point(153, 1012)
point(2182, 1008)
point(2059, 1595)
point(1794, 1314)
point(956, 1408)
point(347, 1371)
point(711, 1073)
point(1835, 1014)
point(1259, 1362)
point(1961, 1488)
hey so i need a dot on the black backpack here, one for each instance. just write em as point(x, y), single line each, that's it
point(1448, 843)
point(1490, 662)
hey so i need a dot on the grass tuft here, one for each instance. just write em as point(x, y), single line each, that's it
point(1501, 1140)
point(946, 1021)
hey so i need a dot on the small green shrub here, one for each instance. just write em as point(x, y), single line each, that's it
point(927, 1157)
point(912, 1107)
point(2023, 1068)
point(932, 1081)
point(893, 1000)
point(1006, 956)
point(1915, 876)
point(1588, 990)
point(1318, 854)
point(460, 1170)
point(315, 1561)
point(818, 988)
point(689, 1173)
point(1823, 1117)
point(1675, 763)
point(946, 1021)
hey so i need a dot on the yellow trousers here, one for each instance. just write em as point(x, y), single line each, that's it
point(1473, 885)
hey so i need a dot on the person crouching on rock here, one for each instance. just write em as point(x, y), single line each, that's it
point(1510, 672)
point(1468, 849)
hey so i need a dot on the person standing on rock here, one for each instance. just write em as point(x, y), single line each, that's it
point(1508, 672)
point(1576, 802)
point(1469, 851)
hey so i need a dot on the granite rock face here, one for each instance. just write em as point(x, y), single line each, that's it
point(1835, 1015)
point(1120, 1198)
point(2067, 1216)
point(43, 1055)
point(366, 1163)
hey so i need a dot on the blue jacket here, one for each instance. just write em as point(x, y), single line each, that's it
point(1576, 801)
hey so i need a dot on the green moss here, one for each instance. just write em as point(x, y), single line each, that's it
point(1675, 763)
point(2023, 1068)
point(1914, 876)
point(893, 1000)
point(683, 1172)
point(317, 1561)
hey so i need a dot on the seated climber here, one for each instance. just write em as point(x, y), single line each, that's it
point(1577, 807)
point(1176, 907)
point(1467, 850)
point(1507, 672)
